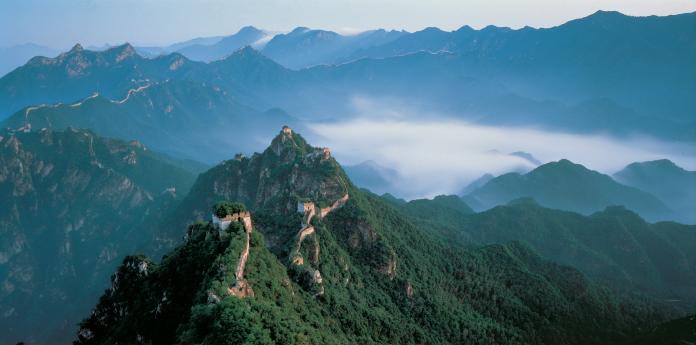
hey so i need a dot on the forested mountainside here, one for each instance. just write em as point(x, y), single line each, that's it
point(159, 114)
point(567, 186)
point(72, 204)
point(281, 246)
point(675, 332)
point(614, 246)
point(324, 262)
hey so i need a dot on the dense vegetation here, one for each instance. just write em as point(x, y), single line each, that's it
point(72, 205)
point(676, 332)
point(224, 208)
point(615, 246)
point(384, 278)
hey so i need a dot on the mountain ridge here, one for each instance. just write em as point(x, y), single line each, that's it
point(71, 203)
point(381, 276)
point(569, 186)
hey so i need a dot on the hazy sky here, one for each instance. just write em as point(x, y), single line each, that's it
point(61, 23)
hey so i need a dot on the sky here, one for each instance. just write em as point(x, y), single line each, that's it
point(62, 23)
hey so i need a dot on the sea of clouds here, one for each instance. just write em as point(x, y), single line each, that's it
point(441, 156)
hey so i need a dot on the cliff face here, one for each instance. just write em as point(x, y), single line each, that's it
point(273, 181)
point(327, 263)
point(71, 204)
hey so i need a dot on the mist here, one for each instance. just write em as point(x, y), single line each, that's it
point(442, 156)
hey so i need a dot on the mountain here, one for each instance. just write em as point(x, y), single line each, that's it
point(304, 47)
point(567, 186)
point(675, 186)
point(71, 205)
point(160, 114)
point(247, 36)
point(477, 183)
point(527, 157)
point(608, 72)
point(369, 174)
point(15, 56)
point(153, 51)
point(601, 52)
point(79, 73)
point(443, 215)
point(210, 48)
point(615, 246)
point(312, 259)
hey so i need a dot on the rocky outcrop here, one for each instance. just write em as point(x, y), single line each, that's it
point(409, 289)
point(389, 268)
point(271, 181)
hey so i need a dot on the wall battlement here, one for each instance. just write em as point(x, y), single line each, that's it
point(243, 217)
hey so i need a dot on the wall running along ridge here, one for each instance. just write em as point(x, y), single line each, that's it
point(241, 287)
point(309, 210)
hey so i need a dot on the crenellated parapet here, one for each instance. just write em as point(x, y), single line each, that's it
point(241, 287)
point(242, 217)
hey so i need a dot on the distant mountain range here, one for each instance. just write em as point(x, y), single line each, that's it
point(247, 36)
point(675, 186)
point(607, 72)
point(160, 114)
point(373, 176)
point(567, 186)
point(304, 47)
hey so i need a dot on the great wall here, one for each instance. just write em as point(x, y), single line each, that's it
point(241, 287)
point(309, 211)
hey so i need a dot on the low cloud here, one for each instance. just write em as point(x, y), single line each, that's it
point(441, 156)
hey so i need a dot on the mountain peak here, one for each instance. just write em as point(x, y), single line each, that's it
point(122, 52)
point(124, 47)
point(76, 48)
point(289, 143)
point(249, 54)
point(560, 168)
point(466, 28)
point(664, 164)
point(299, 30)
point(247, 50)
point(565, 163)
point(601, 15)
point(248, 29)
point(607, 14)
